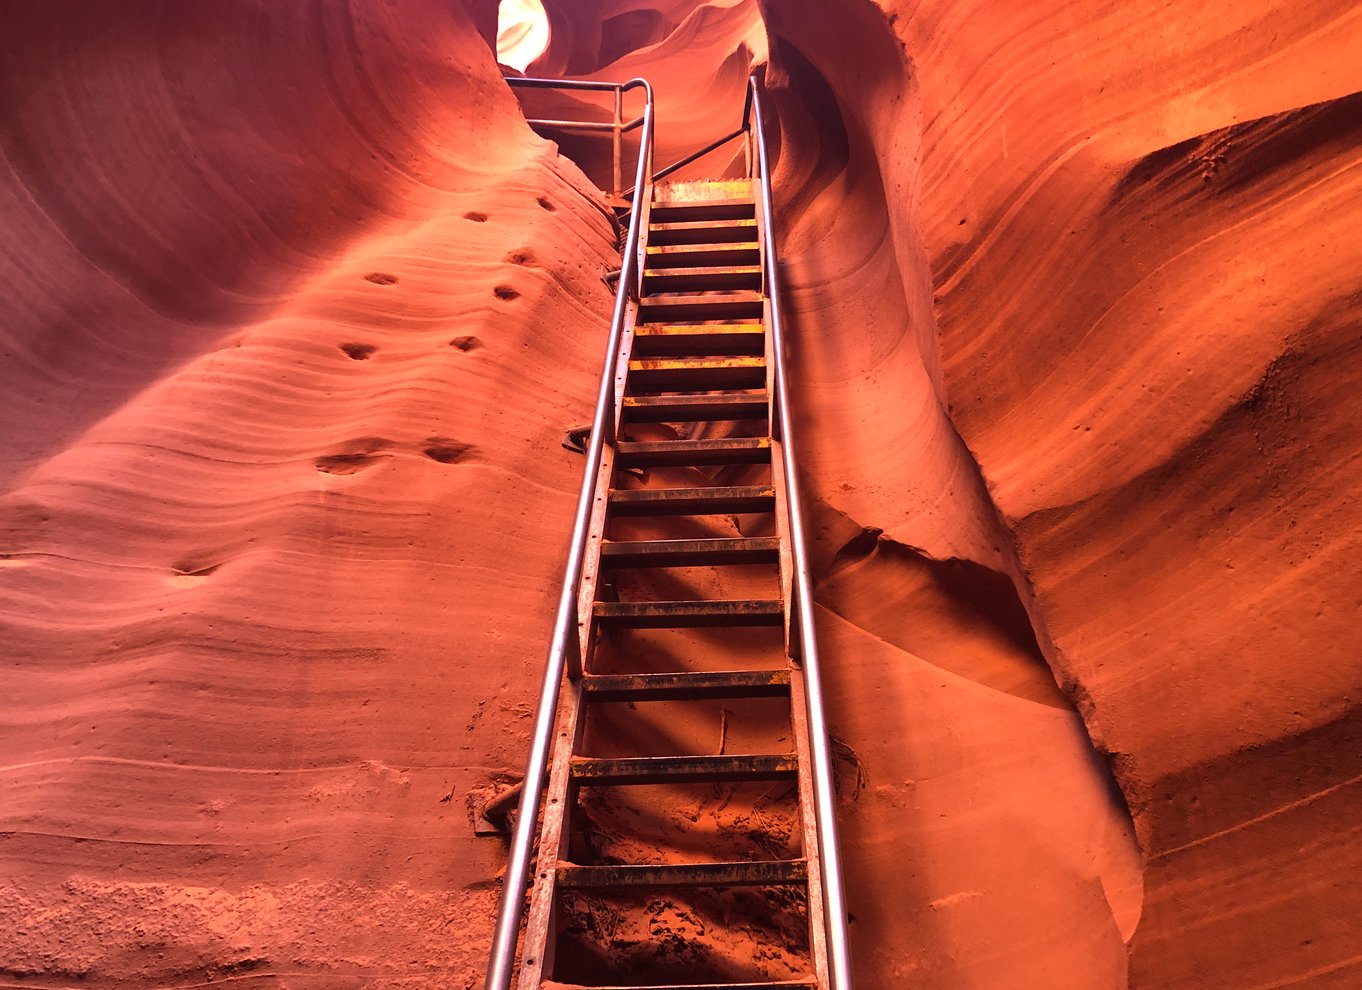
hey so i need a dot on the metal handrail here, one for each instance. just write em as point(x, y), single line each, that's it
point(565, 642)
point(618, 126)
point(834, 896)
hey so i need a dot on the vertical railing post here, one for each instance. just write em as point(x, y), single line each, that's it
point(619, 125)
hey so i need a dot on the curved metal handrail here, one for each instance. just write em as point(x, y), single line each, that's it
point(830, 860)
point(565, 634)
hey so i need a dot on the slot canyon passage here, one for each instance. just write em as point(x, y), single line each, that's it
point(298, 309)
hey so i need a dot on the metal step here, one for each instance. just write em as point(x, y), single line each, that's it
point(688, 453)
point(701, 255)
point(681, 769)
point(782, 985)
point(696, 374)
point(682, 307)
point(692, 501)
point(704, 210)
point(689, 615)
point(713, 279)
point(690, 553)
point(716, 407)
point(667, 339)
point(687, 685)
point(767, 873)
point(706, 232)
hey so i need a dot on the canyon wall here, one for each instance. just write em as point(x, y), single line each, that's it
point(299, 309)
point(1143, 271)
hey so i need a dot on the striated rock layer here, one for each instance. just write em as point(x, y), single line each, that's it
point(298, 309)
point(1144, 267)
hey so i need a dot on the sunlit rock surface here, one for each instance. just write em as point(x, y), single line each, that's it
point(297, 312)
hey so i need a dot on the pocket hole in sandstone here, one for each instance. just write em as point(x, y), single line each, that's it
point(358, 352)
point(445, 450)
point(381, 278)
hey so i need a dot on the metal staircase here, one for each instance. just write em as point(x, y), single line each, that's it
point(684, 608)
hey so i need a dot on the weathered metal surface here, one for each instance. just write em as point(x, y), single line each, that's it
point(714, 407)
point(672, 339)
point(687, 686)
point(670, 256)
point(706, 211)
point(777, 873)
point(678, 615)
point(720, 232)
point(683, 306)
point(691, 553)
point(712, 279)
point(696, 374)
point(681, 453)
point(692, 501)
point(681, 769)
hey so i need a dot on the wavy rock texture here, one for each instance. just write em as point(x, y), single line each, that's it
point(298, 310)
point(1144, 269)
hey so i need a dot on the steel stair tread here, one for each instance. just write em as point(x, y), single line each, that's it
point(690, 553)
point(681, 769)
point(684, 453)
point(690, 614)
point(687, 685)
point(699, 211)
point(692, 501)
point(781, 985)
point(669, 339)
point(664, 234)
point(696, 373)
point(714, 407)
point(761, 873)
point(712, 279)
point(668, 256)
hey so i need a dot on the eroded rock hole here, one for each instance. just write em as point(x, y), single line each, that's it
point(446, 450)
point(358, 352)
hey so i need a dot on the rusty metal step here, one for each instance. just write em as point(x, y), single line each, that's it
point(715, 407)
point(688, 453)
point(704, 232)
point(765, 873)
point(696, 374)
point(689, 615)
point(687, 685)
point(712, 279)
point(690, 553)
point(702, 255)
point(683, 307)
point(668, 339)
point(780, 985)
point(692, 501)
point(681, 769)
point(703, 210)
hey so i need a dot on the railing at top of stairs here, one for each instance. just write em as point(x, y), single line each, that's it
point(564, 652)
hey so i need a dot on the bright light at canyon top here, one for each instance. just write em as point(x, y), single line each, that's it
point(522, 32)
